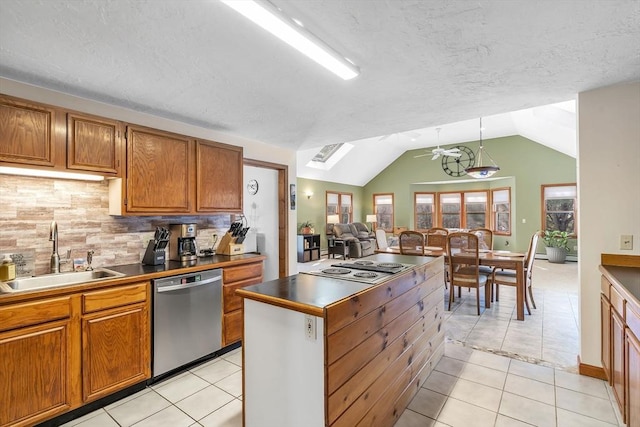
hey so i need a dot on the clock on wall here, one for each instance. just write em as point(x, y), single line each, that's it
point(252, 187)
point(455, 166)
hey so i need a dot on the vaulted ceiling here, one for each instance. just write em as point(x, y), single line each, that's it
point(423, 64)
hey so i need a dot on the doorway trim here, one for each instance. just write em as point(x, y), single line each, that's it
point(283, 217)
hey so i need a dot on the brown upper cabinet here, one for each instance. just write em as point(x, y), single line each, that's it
point(159, 178)
point(30, 133)
point(40, 136)
point(93, 144)
point(170, 174)
point(219, 177)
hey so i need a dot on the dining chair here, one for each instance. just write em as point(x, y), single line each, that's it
point(464, 263)
point(485, 241)
point(508, 277)
point(381, 239)
point(412, 243)
point(437, 236)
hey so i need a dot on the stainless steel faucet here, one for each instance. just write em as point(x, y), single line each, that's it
point(54, 265)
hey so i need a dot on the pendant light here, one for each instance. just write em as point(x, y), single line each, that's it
point(478, 170)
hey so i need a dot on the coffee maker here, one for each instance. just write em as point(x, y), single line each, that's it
point(182, 243)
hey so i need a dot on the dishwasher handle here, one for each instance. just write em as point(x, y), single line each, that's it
point(160, 289)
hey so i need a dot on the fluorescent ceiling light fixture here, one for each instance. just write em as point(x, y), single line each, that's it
point(333, 159)
point(295, 35)
point(49, 174)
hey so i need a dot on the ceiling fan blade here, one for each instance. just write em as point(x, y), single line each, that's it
point(452, 154)
point(452, 150)
point(435, 156)
point(420, 155)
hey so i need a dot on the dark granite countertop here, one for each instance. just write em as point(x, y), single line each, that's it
point(626, 277)
point(137, 272)
point(311, 294)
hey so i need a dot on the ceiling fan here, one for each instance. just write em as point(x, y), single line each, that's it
point(437, 152)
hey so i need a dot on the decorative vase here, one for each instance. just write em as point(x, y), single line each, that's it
point(306, 230)
point(556, 255)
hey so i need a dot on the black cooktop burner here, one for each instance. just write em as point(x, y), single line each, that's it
point(365, 274)
point(336, 271)
point(382, 267)
point(389, 265)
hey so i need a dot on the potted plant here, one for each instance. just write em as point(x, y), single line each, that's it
point(557, 245)
point(306, 228)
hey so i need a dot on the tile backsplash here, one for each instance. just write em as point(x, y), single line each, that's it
point(81, 209)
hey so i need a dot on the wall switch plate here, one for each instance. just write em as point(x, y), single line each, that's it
point(626, 242)
point(310, 327)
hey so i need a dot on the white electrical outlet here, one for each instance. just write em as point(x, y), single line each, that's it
point(310, 327)
point(626, 242)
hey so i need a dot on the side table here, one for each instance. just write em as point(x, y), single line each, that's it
point(337, 247)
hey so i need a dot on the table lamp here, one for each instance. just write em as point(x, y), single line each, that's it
point(372, 219)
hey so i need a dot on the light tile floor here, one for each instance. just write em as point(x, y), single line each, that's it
point(496, 371)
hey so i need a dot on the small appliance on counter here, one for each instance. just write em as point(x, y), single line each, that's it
point(155, 253)
point(182, 243)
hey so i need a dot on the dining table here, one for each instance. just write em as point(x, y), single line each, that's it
point(490, 258)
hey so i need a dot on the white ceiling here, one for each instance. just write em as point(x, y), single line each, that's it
point(423, 64)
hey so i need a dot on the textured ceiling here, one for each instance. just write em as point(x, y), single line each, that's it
point(423, 63)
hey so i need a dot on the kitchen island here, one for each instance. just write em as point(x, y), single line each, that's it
point(320, 351)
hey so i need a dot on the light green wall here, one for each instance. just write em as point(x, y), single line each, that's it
point(524, 164)
point(314, 208)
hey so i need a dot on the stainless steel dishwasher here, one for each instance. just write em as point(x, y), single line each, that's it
point(187, 319)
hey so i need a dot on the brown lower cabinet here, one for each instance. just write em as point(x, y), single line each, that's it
point(620, 323)
point(234, 278)
point(59, 353)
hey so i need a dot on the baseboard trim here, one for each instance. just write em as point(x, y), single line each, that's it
point(591, 371)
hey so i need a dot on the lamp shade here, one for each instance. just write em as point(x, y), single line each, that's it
point(372, 218)
point(333, 219)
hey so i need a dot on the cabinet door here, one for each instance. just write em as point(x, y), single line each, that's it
point(28, 133)
point(232, 327)
point(158, 171)
point(617, 360)
point(93, 144)
point(605, 328)
point(35, 378)
point(219, 177)
point(633, 379)
point(115, 350)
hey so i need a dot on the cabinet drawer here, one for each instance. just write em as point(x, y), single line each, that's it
point(633, 320)
point(116, 297)
point(617, 302)
point(242, 272)
point(230, 299)
point(32, 313)
point(604, 286)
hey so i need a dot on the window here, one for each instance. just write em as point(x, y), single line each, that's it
point(475, 208)
point(501, 211)
point(340, 204)
point(559, 207)
point(464, 210)
point(383, 207)
point(424, 208)
point(450, 210)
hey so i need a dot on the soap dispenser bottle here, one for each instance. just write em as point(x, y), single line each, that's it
point(7, 269)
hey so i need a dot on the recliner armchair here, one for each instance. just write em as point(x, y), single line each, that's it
point(357, 237)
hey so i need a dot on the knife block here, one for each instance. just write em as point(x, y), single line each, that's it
point(227, 246)
point(154, 255)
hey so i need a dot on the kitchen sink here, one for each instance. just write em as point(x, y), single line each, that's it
point(62, 279)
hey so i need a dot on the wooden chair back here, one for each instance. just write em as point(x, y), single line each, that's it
point(437, 237)
point(464, 271)
point(485, 236)
point(412, 243)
